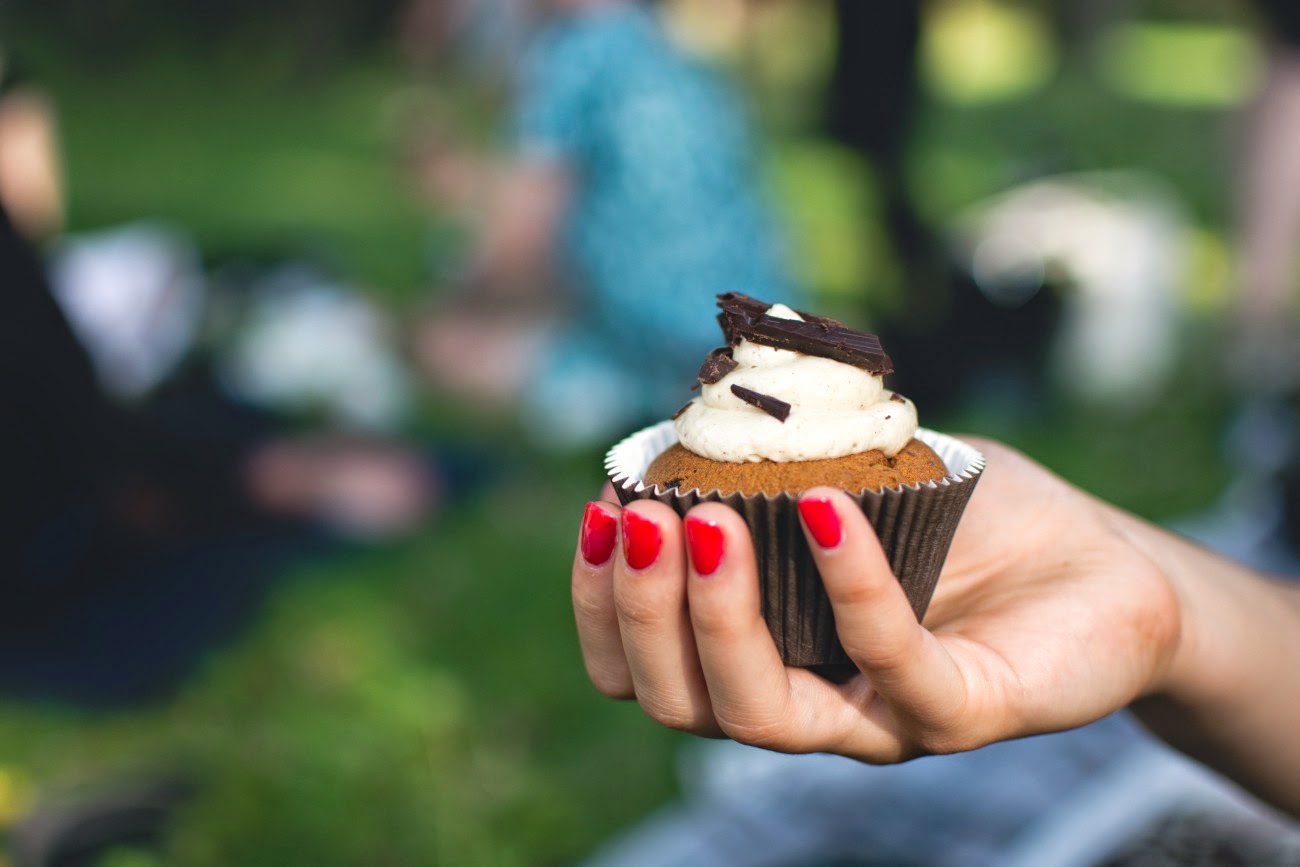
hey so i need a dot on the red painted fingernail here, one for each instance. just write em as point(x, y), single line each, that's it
point(820, 518)
point(641, 540)
point(705, 541)
point(599, 531)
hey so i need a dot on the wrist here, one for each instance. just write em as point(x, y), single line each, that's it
point(1187, 668)
point(1233, 622)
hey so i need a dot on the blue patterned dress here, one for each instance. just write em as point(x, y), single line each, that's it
point(666, 210)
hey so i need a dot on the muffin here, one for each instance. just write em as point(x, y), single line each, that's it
point(794, 401)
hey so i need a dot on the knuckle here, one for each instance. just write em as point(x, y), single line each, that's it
point(855, 592)
point(768, 737)
point(610, 675)
point(717, 624)
point(591, 604)
point(942, 739)
point(940, 743)
point(678, 714)
point(883, 659)
point(640, 614)
point(765, 732)
point(611, 684)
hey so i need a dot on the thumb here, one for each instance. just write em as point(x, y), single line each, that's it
point(906, 665)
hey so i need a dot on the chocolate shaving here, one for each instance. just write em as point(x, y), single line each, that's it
point(717, 364)
point(777, 409)
point(738, 308)
point(679, 412)
point(746, 318)
point(897, 397)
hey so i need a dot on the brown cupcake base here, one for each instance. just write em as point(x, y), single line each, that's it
point(679, 468)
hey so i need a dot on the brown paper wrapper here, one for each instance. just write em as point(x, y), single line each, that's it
point(915, 524)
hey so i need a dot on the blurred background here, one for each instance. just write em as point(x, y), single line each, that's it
point(274, 236)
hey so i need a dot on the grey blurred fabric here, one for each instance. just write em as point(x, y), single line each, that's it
point(1072, 798)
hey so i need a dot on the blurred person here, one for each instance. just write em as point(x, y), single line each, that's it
point(631, 200)
point(129, 534)
point(136, 534)
point(31, 179)
point(483, 36)
point(1263, 344)
point(1269, 182)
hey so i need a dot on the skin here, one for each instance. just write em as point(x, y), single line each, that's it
point(1054, 610)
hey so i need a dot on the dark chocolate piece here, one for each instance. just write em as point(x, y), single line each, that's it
point(717, 364)
point(746, 318)
point(897, 397)
point(777, 409)
point(685, 407)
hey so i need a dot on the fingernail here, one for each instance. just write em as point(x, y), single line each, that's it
point(705, 542)
point(641, 540)
point(820, 519)
point(599, 530)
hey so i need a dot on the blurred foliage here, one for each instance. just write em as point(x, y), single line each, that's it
point(1196, 65)
point(246, 157)
point(311, 35)
point(977, 51)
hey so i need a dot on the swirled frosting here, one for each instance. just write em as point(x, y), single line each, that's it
point(835, 409)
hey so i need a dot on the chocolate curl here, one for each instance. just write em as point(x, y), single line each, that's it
point(777, 409)
point(717, 364)
point(745, 318)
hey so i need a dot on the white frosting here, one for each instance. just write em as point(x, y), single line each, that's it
point(835, 409)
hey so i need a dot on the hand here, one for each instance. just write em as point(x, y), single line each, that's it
point(1047, 616)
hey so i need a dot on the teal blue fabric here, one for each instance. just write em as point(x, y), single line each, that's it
point(667, 210)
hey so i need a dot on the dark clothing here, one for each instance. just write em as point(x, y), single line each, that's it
point(1283, 17)
point(57, 425)
point(126, 549)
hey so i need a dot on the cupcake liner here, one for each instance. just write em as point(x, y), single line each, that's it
point(915, 524)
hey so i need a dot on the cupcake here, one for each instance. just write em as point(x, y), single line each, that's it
point(794, 401)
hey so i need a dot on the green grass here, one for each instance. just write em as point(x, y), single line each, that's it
point(247, 161)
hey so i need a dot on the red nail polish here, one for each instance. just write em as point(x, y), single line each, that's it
point(822, 522)
point(641, 540)
point(599, 531)
point(705, 541)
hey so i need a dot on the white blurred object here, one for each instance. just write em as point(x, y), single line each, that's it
point(312, 345)
point(134, 297)
point(1118, 238)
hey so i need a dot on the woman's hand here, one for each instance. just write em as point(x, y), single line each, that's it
point(1047, 616)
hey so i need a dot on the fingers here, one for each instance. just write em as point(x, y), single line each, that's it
point(906, 664)
point(747, 682)
point(669, 613)
point(593, 601)
point(650, 604)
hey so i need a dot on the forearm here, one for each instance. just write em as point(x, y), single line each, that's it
point(1230, 694)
